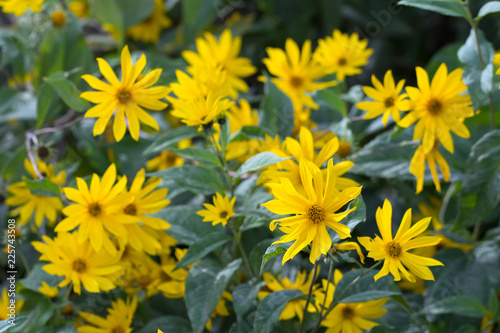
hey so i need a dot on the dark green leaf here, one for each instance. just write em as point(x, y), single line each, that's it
point(170, 138)
point(45, 103)
point(270, 308)
point(365, 289)
point(249, 133)
point(461, 305)
point(330, 98)
point(445, 7)
point(259, 161)
point(488, 8)
point(196, 16)
point(36, 276)
point(201, 248)
point(244, 295)
point(43, 187)
point(193, 178)
point(278, 110)
point(167, 324)
point(67, 91)
point(134, 12)
point(273, 251)
point(468, 54)
point(204, 156)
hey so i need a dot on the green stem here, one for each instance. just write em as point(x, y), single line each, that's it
point(330, 273)
point(309, 294)
point(242, 250)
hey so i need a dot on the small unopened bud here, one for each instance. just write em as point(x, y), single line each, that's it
point(344, 149)
point(58, 18)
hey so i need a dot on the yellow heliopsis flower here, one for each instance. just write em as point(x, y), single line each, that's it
point(118, 319)
point(220, 212)
point(79, 8)
point(296, 73)
point(349, 246)
point(302, 283)
point(19, 7)
point(213, 55)
point(240, 116)
point(496, 62)
point(173, 284)
point(147, 200)
point(48, 291)
point(167, 159)
point(220, 309)
point(149, 30)
point(438, 108)
point(196, 103)
point(395, 250)
point(323, 296)
point(77, 262)
point(387, 99)
point(417, 166)
point(98, 211)
point(352, 317)
point(29, 203)
point(304, 149)
point(342, 54)
point(5, 304)
point(313, 212)
point(125, 97)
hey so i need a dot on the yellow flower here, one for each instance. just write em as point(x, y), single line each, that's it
point(296, 73)
point(220, 212)
point(323, 296)
point(19, 7)
point(149, 30)
point(18, 81)
point(173, 283)
point(5, 303)
point(196, 103)
point(220, 309)
point(417, 166)
point(98, 211)
point(58, 18)
point(439, 107)
point(351, 317)
point(313, 212)
point(29, 203)
point(77, 262)
point(342, 54)
point(119, 318)
point(239, 117)
point(395, 250)
point(147, 200)
point(126, 97)
point(350, 246)
point(213, 55)
point(79, 8)
point(167, 159)
point(302, 283)
point(387, 99)
point(48, 291)
point(496, 62)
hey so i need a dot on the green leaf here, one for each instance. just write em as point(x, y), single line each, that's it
point(45, 103)
point(487, 79)
point(170, 138)
point(204, 287)
point(43, 187)
point(259, 161)
point(167, 324)
point(249, 133)
point(135, 12)
point(493, 303)
point(225, 133)
point(446, 7)
point(67, 91)
point(193, 178)
point(36, 276)
point(204, 156)
point(4, 325)
point(244, 295)
point(468, 54)
point(460, 305)
point(365, 289)
point(481, 180)
point(353, 219)
point(201, 248)
point(332, 100)
point(196, 16)
point(273, 251)
point(269, 309)
point(278, 110)
point(488, 8)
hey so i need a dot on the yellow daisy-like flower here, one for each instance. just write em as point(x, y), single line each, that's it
point(438, 108)
point(149, 30)
point(167, 159)
point(302, 283)
point(119, 318)
point(417, 166)
point(395, 250)
point(220, 212)
point(196, 104)
point(173, 284)
point(350, 246)
point(78, 262)
point(496, 62)
point(79, 8)
point(98, 211)
point(342, 54)
point(352, 317)
point(296, 73)
point(220, 309)
point(387, 97)
point(19, 7)
point(147, 200)
point(213, 55)
point(48, 291)
point(5, 304)
point(313, 212)
point(125, 97)
point(29, 203)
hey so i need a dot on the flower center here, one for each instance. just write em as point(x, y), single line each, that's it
point(118, 329)
point(95, 209)
point(223, 214)
point(131, 209)
point(342, 61)
point(316, 214)
point(434, 106)
point(348, 312)
point(394, 249)
point(296, 81)
point(79, 265)
point(170, 159)
point(389, 102)
point(124, 96)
